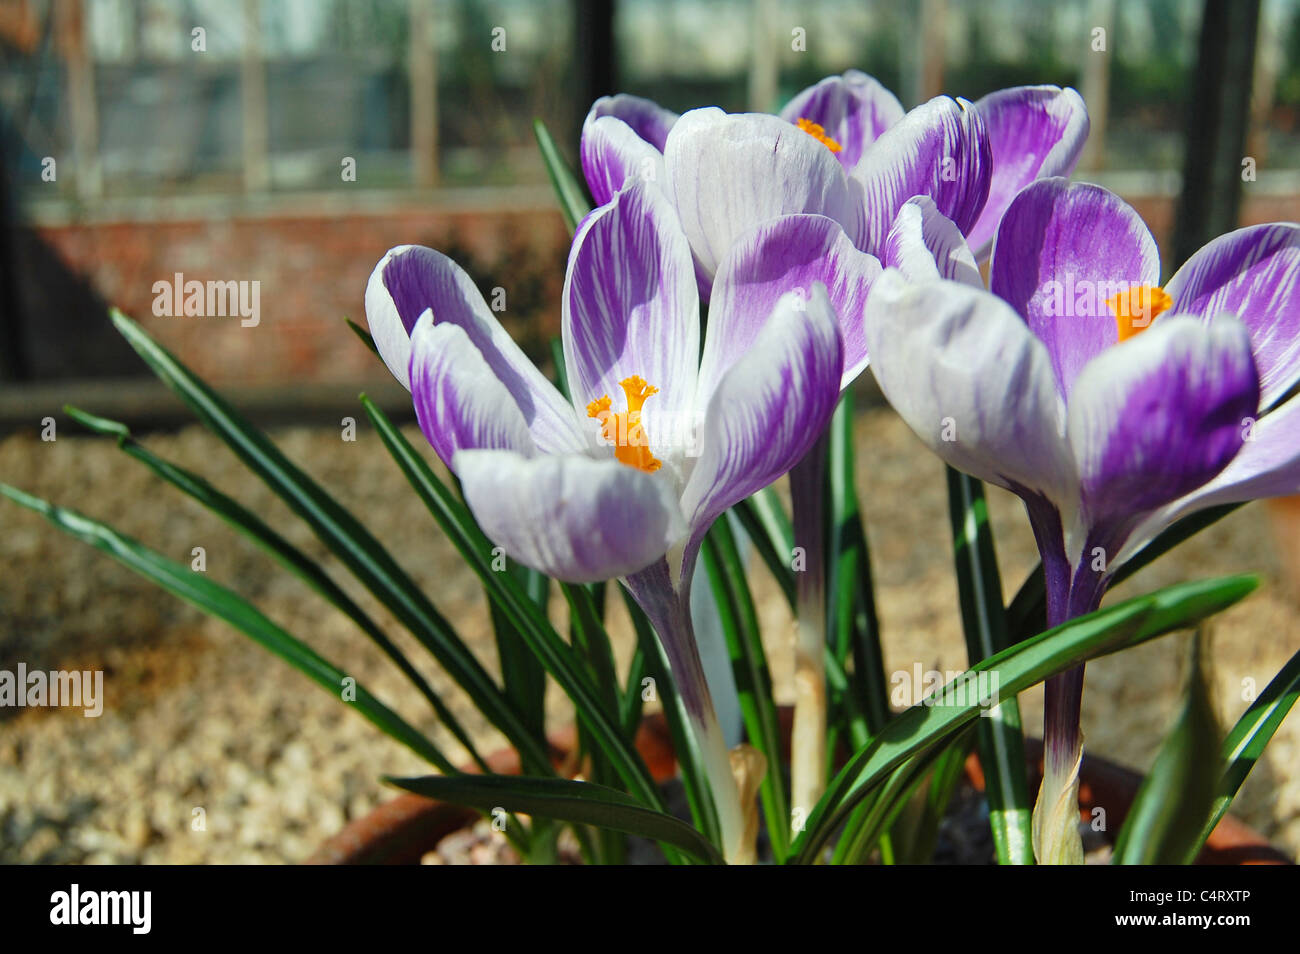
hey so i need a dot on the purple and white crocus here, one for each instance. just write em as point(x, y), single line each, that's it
point(728, 172)
point(843, 148)
point(1110, 405)
point(658, 439)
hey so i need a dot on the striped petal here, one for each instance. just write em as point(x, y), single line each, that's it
point(1253, 273)
point(768, 409)
point(612, 153)
point(1158, 416)
point(410, 280)
point(1268, 465)
point(1063, 250)
point(459, 402)
point(568, 516)
point(924, 245)
point(650, 121)
point(630, 308)
point(853, 109)
point(941, 150)
point(973, 382)
point(1035, 132)
point(729, 173)
point(791, 253)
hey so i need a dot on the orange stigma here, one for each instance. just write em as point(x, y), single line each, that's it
point(819, 133)
point(1136, 308)
point(624, 430)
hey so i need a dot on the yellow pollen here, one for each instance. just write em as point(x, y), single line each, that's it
point(624, 430)
point(819, 133)
point(1136, 308)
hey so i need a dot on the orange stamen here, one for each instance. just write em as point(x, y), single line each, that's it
point(623, 430)
point(1136, 308)
point(818, 132)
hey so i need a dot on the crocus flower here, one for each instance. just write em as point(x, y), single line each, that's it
point(1098, 397)
point(658, 439)
point(725, 173)
point(957, 155)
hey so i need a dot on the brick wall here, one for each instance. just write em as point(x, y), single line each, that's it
point(312, 270)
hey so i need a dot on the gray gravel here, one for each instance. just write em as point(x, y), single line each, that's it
point(201, 724)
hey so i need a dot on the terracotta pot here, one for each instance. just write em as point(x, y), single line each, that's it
point(403, 830)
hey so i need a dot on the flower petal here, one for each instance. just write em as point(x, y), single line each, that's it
point(924, 245)
point(973, 382)
point(459, 402)
point(646, 118)
point(1035, 132)
point(630, 308)
point(568, 516)
point(1158, 416)
point(940, 149)
point(1268, 465)
point(854, 109)
point(612, 153)
point(727, 174)
point(768, 409)
point(782, 255)
point(1253, 273)
point(410, 280)
point(1063, 249)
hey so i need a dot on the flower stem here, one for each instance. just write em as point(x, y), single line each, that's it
point(808, 740)
point(1056, 813)
point(668, 609)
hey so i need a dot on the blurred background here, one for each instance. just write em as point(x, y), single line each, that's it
point(290, 143)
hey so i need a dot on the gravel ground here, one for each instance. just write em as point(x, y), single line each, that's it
point(210, 750)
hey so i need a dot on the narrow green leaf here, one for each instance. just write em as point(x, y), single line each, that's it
point(931, 721)
point(523, 675)
point(285, 553)
point(1165, 823)
point(346, 537)
point(726, 575)
point(1246, 742)
point(580, 803)
point(568, 190)
point(1001, 741)
point(218, 601)
point(366, 338)
point(852, 600)
point(769, 529)
point(555, 655)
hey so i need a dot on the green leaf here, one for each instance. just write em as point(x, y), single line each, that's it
point(568, 190)
point(555, 655)
point(923, 726)
point(726, 574)
point(579, 803)
point(852, 604)
point(218, 601)
point(1001, 741)
point(366, 338)
point(1165, 823)
point(769, 529)
point(1246, 742)
point(347, 538)
point(285, 553)
point(523, 675)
